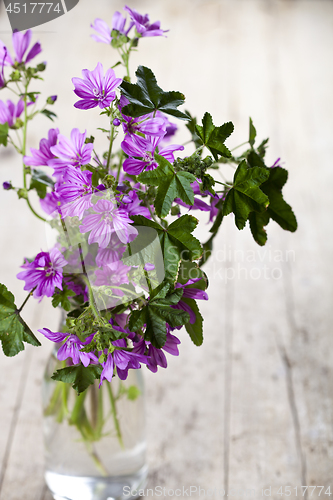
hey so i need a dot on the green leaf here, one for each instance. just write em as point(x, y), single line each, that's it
point(170, 185)
point(13, 329)
point(79, 376)
point(146, 96)
point(156, 314)
point(245, 195)
point(177, 242)
point(49, 114)
point(4, 133)
point(278, 209)
point(257, 223)
point(60, 298)
point(190, 270)
point(194, 330)
point(214, 137)
point(40, 181)
point(252, 133)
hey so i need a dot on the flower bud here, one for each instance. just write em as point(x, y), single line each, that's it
point(116, 122)
point(7, 185)
point(52, 99)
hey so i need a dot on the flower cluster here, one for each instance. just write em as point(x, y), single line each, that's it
point(126, 267)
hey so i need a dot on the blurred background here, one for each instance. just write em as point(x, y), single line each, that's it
point(253, 407)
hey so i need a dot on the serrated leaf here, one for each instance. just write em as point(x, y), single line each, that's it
point(4, 133)
point(170, 185)
point(245, 195)
point(176, 242)
point(156, 314)
point(252, 133)
point(257, 223)
point(60, 298)
point(278, 209)
point(79, 376)
point(214, 137)
point(13, 329)
point(194, 330)
point(146, 96)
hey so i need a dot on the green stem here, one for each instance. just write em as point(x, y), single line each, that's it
point(240, 145)
point(110, 148)
point(26, 300)
point(119, 165)
point(91, 298)
point(97, 461)
point(114, 414)
point(24, 151)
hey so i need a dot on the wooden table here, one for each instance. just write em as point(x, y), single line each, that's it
point(253, 407)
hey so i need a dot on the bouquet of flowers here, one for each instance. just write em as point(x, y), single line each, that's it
point(124, 264)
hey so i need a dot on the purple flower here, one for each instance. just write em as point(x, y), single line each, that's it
point(132, 204)
point(75, 191)
point(106, 220)
point(155, 356)
point(44, 273)
point(149, 267)
point(10, 112)
point(139, 147)
point(104, 31)
point(71, 348)
point(41, 156)
point(21, 42)
point(142, 24)
point(121, 359)
point(70, 152)
point(277, 163)
point(190, 293)
point(50, 203)
point(95, 89)
point(112, 253)
point(113, 274)
point(146, 124)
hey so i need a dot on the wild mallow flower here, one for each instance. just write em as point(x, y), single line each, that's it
point(41, 156)
point(104, 31)
point(190, 293)
point(142, 24)
point(21, 42)
point(44, 274)
point(50, 203)
point(70, 152)
point(10, 112)
point(74, 192)
point(147, 124)
point(106, 220)
point(121, 359)
point(141, 152)
point(72, 347)
point(132, 204)
point(95, 89)
point(155, 356)
point(112, 253)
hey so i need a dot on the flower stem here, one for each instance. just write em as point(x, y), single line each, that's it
point(25, 124)
point(114, 414)
point(110, 148)
point(240, 145)
point(25, 301)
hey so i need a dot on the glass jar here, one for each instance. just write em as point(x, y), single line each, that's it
point(95, 442)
